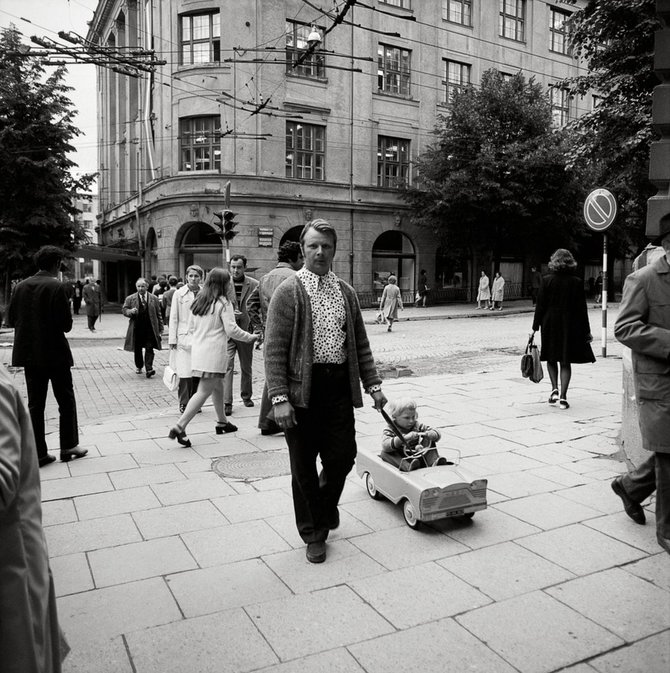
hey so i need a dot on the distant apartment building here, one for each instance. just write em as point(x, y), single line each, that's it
point(299, 132)
point(84, 266)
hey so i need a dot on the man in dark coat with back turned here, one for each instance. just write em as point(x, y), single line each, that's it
point(643, 324)
point(39, 311)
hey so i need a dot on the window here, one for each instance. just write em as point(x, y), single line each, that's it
point(457, 11)
point(200, 38)
point(393, 70)
point(396, 3)
point(560, 106)
point(512, 19)
point(296, 45)
point(457, 77)
point(558, 31)
point(392, 161)
point(200, 143)
point(305, 151)
point(86, 207)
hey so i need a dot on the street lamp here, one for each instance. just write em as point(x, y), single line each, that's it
point(314, 39)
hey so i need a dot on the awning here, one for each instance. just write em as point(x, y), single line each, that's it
point(106, 253)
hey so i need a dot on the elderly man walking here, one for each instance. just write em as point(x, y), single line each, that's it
point(643, 324)
point(145, 326)
point(316, 355)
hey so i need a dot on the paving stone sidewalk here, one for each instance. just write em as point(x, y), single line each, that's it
point(163, 564)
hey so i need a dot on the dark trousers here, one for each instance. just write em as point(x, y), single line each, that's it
point(76, 304)
point(186, 389)
point(145, 358)
point(91, 321)
point(37, 384)
point(245, 352)
point(324, 429)
point(652, 475)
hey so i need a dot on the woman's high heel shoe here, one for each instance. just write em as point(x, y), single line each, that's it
point(553, 398)
point(178, 433)
point(225, 427)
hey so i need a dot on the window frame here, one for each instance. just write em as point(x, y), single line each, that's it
point(214, 41)
point(452, 86)
point(213, 135)
point(518, 18)
point(559, 108)
point(312, 67)
point(404, 78)
point(559, 33)
point(402, 4)
point(296, 166)
point(446, 12)
point(401, 174)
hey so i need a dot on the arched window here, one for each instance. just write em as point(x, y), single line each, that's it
point(393, 253)
point(199, 245)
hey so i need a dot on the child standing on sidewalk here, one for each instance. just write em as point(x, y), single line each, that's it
point(404, 414)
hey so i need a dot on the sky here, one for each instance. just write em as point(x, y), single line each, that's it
point(46, 18)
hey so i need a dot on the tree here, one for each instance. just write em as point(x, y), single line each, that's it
point(36, 184)
point(615, 38)
point(496, 179)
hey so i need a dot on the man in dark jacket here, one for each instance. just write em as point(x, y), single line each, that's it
point(643, 324)
point(317, 354)
point(39, 311)
point(145, 326)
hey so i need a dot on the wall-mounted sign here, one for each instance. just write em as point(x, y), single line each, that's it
point(266, 237)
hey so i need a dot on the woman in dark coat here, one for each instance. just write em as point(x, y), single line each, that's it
point(562, 316)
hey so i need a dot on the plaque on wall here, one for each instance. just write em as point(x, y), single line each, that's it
point(265, 237)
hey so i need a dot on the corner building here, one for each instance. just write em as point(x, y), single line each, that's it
point(299, 134)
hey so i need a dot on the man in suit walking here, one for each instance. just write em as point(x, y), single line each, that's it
point(39, 311)
point(247, 317)
point(145, 326)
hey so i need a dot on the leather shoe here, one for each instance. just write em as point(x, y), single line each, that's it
point(632, 508)
point(45, 460)
point(138, 370)
point(150, 373)
point(316, 552)
point(72, 454)
point(228, 410)
point(248, 403)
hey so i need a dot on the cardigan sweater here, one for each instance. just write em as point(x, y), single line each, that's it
point(289, 349)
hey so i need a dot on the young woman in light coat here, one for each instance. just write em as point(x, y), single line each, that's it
point(180, 313)
point(211, 324)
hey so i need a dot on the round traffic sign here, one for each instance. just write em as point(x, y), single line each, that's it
point(600, 209)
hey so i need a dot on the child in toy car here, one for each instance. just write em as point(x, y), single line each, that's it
point(409, 445)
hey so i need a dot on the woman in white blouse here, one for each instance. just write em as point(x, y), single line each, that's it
point(211, 324)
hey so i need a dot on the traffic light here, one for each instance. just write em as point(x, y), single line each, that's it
point(226, 224)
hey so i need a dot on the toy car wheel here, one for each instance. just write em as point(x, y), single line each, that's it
point(410, 515)
point(372, 487)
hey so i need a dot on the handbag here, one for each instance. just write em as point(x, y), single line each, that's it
point(531, 367)
point(170, 378)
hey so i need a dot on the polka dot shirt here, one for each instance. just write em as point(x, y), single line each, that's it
point(328, 316)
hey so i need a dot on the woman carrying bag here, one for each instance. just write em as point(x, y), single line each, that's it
point(562, 316)
point(211, 324)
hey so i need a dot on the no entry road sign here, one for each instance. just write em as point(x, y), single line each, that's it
point(599, 209)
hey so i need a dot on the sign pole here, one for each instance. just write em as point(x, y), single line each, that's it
point(600, 209)
point(603, 330)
